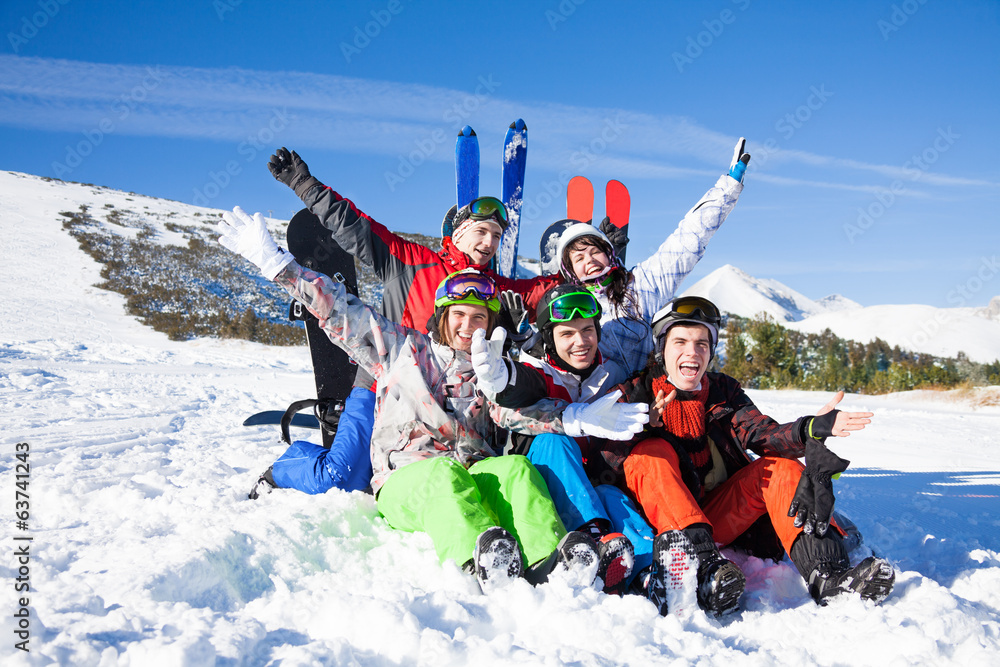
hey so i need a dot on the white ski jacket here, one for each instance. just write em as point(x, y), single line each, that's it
point(626, 342)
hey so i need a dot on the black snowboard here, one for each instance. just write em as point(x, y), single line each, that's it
point(273, 418)
point(314, 248)
point(548, 244)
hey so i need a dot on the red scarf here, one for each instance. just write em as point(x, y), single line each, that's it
point(684, 418)
point(685, 415)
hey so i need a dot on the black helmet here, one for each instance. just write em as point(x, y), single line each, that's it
point(689, 310)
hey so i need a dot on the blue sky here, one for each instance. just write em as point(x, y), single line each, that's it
point(873, 126)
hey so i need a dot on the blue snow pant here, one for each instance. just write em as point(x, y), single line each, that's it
point(627, 520)
point(560, 462)
point(345, 465)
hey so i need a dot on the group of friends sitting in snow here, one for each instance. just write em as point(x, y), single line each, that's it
point(594, 446)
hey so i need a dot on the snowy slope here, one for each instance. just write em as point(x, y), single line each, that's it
point(938, 331)
point(145, 550)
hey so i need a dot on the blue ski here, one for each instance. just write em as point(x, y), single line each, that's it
point(515, 154)
point(467, 166)
point(466, 173)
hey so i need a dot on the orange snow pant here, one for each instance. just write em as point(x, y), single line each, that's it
point(765, 486)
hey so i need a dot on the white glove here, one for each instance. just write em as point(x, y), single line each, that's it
point(605, 418)
point(738, 167)
point(488, 363)
point(249, 237)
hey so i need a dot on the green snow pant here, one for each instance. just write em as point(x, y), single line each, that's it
point(454, 505)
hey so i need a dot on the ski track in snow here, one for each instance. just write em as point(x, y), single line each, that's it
point(146, 551)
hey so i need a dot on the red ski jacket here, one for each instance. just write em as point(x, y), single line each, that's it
point(409, 271)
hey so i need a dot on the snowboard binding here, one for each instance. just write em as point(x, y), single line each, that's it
point(327, 412)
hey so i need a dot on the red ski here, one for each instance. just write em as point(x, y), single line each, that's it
point(616, 206)
point(580, 199)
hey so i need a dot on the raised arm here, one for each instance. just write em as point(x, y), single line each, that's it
point(369, 338)
point(658, 278)
point(353, 230)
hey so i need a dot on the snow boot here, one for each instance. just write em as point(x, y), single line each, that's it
point(263, 486)
point(616, 553)
point(823, 563)
point(673, 558)
point(720, 583)
point(576, 553)
point(616, 556)
point(497, 559)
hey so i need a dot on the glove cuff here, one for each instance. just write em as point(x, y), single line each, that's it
point(738, 171)
point(305, 185)
point(821, 427)
point(276, 263)
point(819, 459)
point(571, 422)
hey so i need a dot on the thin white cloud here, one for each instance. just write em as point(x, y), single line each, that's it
point(388, 118)
point(870, 189)
point(913, 170)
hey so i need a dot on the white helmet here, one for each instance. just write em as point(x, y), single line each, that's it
point(572, 233)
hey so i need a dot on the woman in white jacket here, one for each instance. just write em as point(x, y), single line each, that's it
point(630, 298)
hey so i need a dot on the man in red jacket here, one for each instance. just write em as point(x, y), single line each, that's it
point(410, 271)
point(698, 487)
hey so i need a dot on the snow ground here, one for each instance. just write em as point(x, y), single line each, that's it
point(145, 550)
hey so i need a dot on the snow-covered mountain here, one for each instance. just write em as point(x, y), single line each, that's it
point(737, 292)
point(938, 331)
point(144, 549)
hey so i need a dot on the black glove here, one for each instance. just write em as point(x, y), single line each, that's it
point(289, 168)
point(812, 504)
point(822, 427)
point(514, 316)
point(617, 235)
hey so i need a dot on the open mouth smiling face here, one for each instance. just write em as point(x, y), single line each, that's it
point(686, 353)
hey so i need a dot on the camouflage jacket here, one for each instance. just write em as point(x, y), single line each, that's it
point(428, 402)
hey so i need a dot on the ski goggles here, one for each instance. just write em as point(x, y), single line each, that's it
point(688, 309)
point(467, 287)
point(483, 208)
point(690, 305)
point(571, 306)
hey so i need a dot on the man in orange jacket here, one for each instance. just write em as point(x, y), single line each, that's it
point(698, 487)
